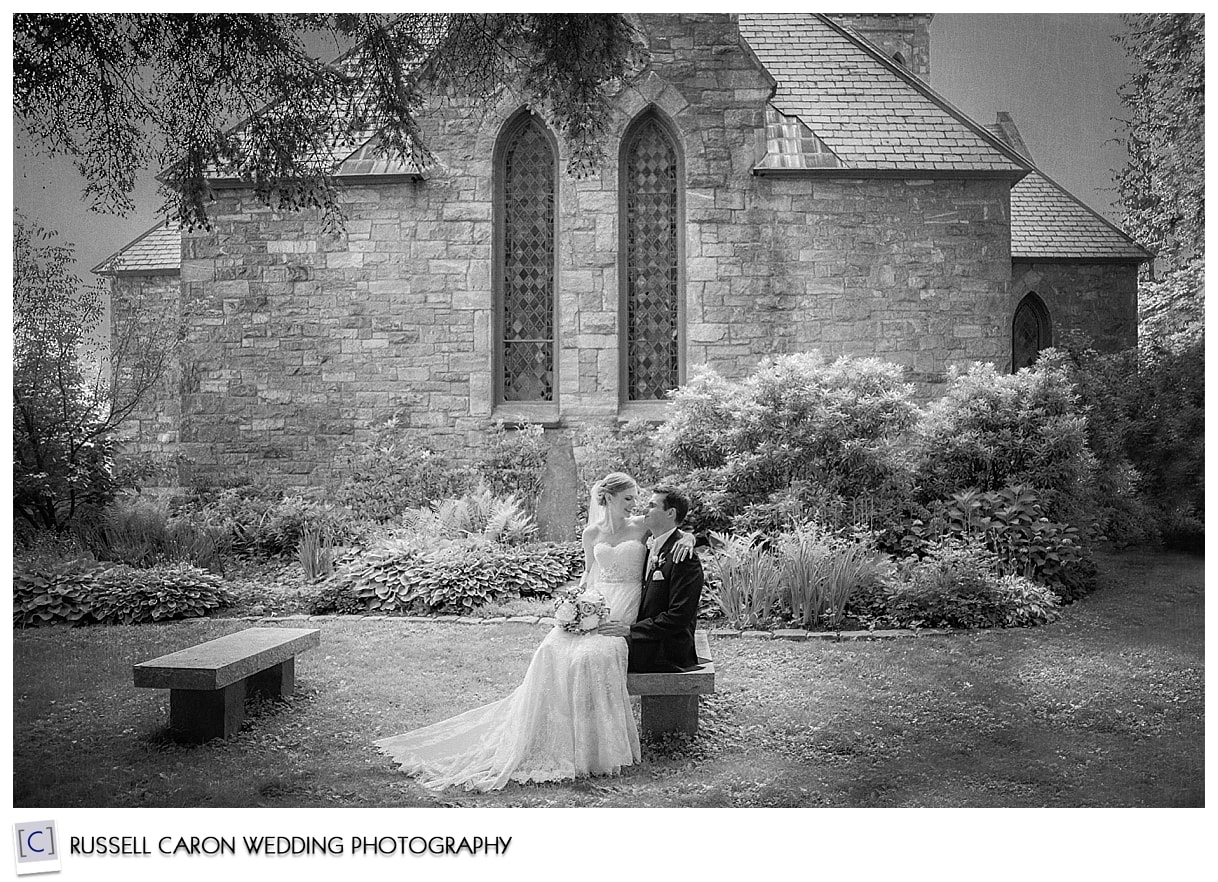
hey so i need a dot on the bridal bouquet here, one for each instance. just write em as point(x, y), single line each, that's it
point(580, 610)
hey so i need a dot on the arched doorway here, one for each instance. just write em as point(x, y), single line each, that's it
point(1030, 332)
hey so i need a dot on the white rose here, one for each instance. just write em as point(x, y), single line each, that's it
point(566, 612)
point(590, 596)
point(590, 623)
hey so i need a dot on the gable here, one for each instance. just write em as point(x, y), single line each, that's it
point(869, 112)
point(1047, 221)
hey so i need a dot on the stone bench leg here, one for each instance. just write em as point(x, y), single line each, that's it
point(277, 681)
point(203, 714)
point(667, 714)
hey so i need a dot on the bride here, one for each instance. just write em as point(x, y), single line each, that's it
point(571, 715)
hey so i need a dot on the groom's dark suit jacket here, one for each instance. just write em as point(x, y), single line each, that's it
point(662, 638)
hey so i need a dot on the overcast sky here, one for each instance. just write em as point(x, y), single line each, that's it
point(1057, 75)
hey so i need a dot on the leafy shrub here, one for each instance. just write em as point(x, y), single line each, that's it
point(1076, 580)
point(513, 462)
point(954, 586)
point(821, 571)
point(397, 576)
point(1011, 523)
point(1115, 504)
point(799, 439)
point(115, 595)
point(913, 529)
point(631, 447)
point(1183, 530)
point(1027, 603)
point(238, 511)
point(283, 525)
point(992, 430)
point(336, 598)
point(1167, 435)
point(746, 580)
point(392, 473)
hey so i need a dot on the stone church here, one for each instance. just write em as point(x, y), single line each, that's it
point(774, 183)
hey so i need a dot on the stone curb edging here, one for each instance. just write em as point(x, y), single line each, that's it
point(727, 633)
point(837, 636)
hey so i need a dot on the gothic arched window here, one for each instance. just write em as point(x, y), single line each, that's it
point(651, 261)
point(1030, 332)
point(526, 175)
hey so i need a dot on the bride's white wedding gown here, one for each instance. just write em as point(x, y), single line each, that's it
point(569, 718)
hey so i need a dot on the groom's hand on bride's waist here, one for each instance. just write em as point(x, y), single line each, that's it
point(613, 629)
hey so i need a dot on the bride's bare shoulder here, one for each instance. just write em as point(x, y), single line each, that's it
point(591, 531)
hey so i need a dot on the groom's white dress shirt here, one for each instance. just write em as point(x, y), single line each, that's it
point(657, 542)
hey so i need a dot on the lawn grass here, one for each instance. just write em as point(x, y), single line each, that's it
point(1104, 708)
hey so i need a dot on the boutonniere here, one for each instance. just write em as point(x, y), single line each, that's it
point(660, 561)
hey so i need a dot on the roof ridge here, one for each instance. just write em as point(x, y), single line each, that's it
point(920, 85)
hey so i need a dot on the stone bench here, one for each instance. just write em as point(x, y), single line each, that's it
point(208, 683)
point(670, 701)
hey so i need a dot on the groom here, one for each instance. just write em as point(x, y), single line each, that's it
point(662, 638)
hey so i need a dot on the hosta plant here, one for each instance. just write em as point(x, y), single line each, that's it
point(44, 595)
point(400, 576)
point(116, 595)
point(129, 596)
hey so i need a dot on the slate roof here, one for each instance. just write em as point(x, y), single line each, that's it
point(869, 111)
point(1046, 221)
point(840, 103)
point(157, 251)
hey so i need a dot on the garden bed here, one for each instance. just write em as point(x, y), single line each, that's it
point(1103, 708)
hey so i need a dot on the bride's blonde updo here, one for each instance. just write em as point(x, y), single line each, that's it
point(610, 485)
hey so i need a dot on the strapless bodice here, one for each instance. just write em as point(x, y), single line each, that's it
point(620, 577)
point(622, 562)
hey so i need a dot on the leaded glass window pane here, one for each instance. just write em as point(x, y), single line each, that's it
point(527, 272)
point(652, 345)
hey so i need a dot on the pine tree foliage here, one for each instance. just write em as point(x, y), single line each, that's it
point(242, 95)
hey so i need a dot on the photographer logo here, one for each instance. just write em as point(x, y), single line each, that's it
point(36, 847)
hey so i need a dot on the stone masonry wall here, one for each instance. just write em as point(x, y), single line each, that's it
point(152, 428)
point(1099, 299)
point(906, 33)
point(298, 343)
point(912, 272)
